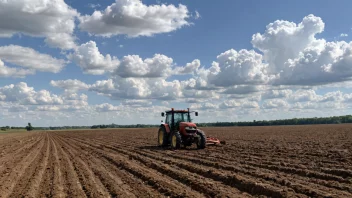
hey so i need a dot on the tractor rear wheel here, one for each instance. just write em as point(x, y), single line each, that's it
point(176, 140)
point(162, 137)
point(202, 141)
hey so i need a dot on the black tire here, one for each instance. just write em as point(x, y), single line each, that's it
point(162, 137)
point(202, 140)
point(176, 140)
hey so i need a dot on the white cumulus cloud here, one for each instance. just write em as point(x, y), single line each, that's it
point(190, 68)
point(91, 61)
point(304, 96)
point(22, 94)
point(238, 68)
point(203, 106)
point(14, 72)
point(53, 20)
point(133, 66)
point(230, 104)
point(30, 59)
point(70, 84)
point(328, 63)
point(138, 88)
point(133, 18)
point(137, 103)
point(107, 107)
point(275, 104)
point(284, 40)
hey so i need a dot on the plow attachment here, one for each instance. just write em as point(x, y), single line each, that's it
point(214, 141)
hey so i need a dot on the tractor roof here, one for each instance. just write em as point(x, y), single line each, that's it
point(177, 111)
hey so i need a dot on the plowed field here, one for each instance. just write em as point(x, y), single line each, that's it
point(280, 161)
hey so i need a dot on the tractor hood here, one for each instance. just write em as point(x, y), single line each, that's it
point(187, 124)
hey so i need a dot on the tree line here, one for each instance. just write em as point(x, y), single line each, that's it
point(293, 121)
point(29, 127)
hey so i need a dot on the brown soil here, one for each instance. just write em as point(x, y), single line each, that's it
point(280, 161)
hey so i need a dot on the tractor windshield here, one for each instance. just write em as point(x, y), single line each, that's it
point(181, 117)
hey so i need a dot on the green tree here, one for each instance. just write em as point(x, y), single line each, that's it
point(29, 127)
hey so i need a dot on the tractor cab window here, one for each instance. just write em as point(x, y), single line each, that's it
point(168, 119)
point(181, 117)
point(178, 117)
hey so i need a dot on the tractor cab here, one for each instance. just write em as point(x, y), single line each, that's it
point(179, 118)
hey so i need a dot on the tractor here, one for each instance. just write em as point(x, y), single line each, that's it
point(178, 130)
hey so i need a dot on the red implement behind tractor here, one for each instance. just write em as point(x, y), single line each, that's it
point(178, 129)
point(212, 140)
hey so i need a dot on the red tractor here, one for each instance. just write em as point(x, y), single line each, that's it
point(178, 130)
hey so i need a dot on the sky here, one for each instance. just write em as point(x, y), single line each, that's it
point(125, 61)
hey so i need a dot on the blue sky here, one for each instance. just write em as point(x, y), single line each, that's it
point(60, 64)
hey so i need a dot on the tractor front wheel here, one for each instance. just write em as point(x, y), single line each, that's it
point(162, 137)
point(176, 140)
point(202, 141)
